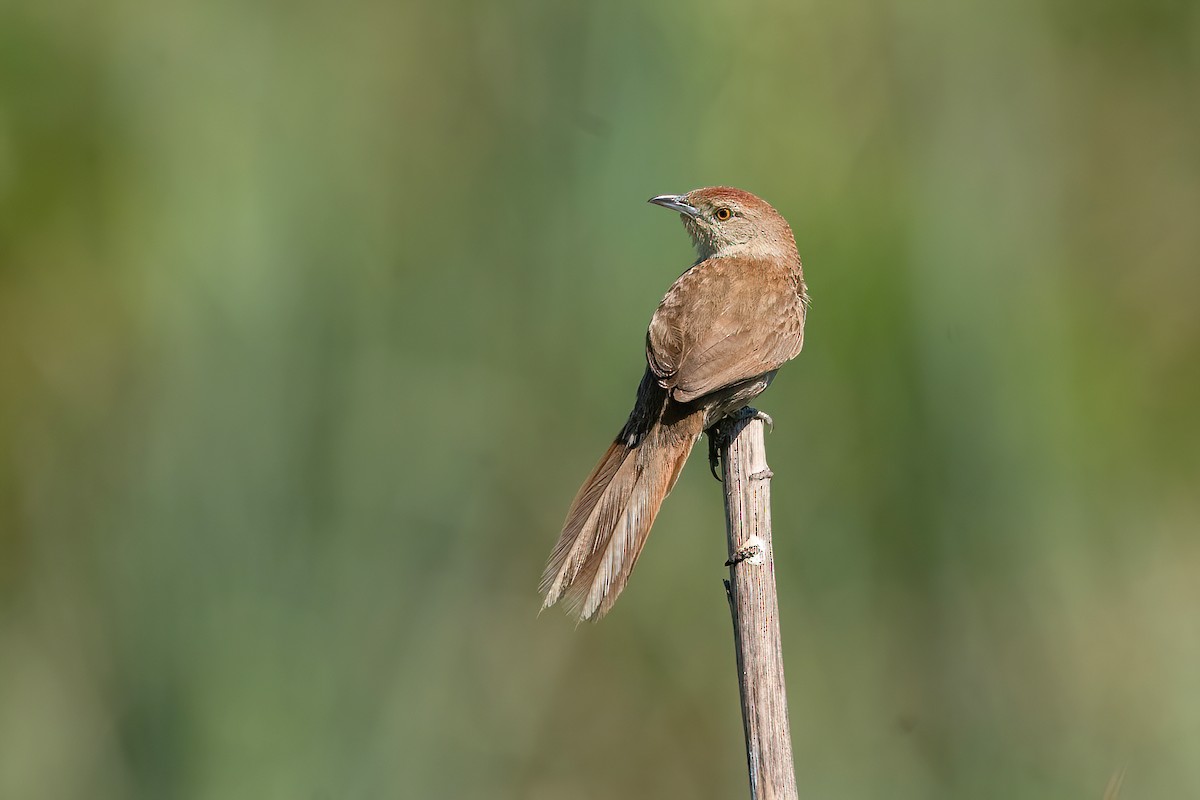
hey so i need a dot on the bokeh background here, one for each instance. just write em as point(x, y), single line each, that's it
point(314, 315)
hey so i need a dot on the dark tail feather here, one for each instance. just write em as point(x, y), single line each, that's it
point(611, 516)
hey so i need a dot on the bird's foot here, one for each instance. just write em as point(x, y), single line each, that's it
point(754, 413)
point(716, 439)
point(721, 433)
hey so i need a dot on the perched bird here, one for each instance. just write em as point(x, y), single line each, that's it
point(714, 344)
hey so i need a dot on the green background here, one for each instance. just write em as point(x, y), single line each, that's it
point(313, 316)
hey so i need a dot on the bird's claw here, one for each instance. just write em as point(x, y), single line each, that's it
point(719, 437)
point(714, 451)
point(754, 413)
point(721, 432)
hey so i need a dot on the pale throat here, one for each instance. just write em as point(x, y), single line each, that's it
point(758, 247)
point(759, 243)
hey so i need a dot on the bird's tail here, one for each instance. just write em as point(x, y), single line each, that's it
point(611, 516)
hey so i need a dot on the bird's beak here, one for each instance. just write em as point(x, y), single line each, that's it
point(675, 202)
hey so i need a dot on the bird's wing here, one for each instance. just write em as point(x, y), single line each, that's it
point(724, 321)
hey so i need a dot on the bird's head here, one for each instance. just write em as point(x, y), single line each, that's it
point(724, 221)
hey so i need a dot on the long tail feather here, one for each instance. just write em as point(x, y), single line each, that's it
point(577, 542)
point(611, 517)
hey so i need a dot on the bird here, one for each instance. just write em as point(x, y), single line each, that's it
point(715, 342)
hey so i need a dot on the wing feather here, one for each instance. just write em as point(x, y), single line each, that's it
point(736, 327)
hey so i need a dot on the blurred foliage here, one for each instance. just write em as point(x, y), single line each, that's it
point(314, 315)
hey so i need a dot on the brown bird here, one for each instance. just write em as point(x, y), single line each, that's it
point(714, 344)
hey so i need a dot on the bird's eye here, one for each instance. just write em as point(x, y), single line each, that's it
point(723, 213)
